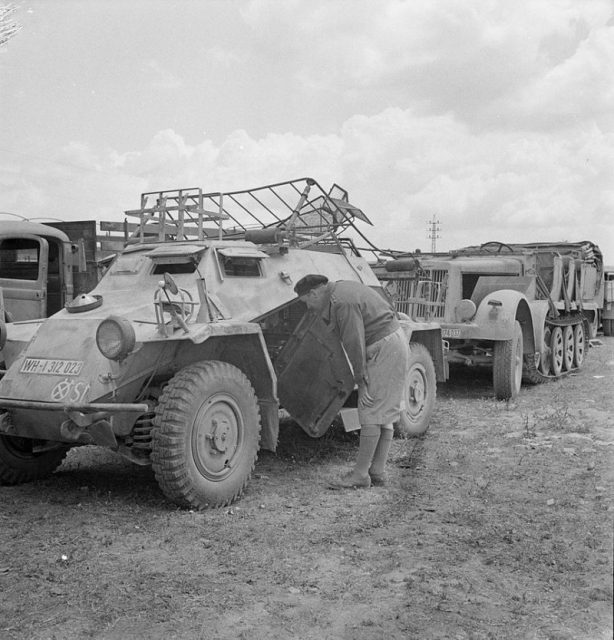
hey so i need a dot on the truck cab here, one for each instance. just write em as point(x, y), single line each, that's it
point(35, 270)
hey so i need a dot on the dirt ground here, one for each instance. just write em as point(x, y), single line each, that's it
point(497, 524)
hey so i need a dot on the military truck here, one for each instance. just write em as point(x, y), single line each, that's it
point(36, 264)
point(525, 310)
point(44, 265)
point(184, 353)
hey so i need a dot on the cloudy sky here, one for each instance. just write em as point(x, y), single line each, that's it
point(494, 117)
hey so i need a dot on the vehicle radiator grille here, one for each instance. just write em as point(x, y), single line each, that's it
point(421, 298)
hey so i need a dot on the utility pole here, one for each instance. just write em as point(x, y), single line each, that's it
point(434, 229)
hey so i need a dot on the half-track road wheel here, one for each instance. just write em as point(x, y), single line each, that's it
point(579, 342)
point(557, 348)
point(545, 361)
point(24, 460)
point(205, 435)
point(507, 365)
point(568, 347)
point(418, 394)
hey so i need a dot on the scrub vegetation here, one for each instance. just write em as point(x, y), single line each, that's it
point(497, 524)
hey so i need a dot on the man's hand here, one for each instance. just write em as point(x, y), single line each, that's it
point(364, 398)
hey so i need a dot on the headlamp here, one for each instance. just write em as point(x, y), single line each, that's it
point(115, 337)
point(465, 310)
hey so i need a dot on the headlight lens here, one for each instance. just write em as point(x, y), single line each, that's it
point(115, 337)
point(465, 310)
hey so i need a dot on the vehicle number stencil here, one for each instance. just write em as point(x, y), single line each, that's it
point(50, 367)
point(451, 333)
point(70, 391)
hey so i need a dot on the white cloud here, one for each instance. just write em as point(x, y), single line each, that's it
point(399, 167)
point(532, 63)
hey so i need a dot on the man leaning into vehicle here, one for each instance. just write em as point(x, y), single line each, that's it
point(378, 350)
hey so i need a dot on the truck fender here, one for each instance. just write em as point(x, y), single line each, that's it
point(498, 312)
point(429, 335)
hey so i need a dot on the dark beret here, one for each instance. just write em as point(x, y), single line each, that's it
point(309, 282)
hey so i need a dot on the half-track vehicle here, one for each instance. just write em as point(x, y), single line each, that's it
point(608, 302)
point(193, 340)
point(525, 310)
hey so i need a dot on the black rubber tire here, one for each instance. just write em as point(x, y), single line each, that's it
point(507, 365)
point(205, 436)
point(608, 327)
point(419, 393)
point(20, 463)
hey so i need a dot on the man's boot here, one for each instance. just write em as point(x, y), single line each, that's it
point(377, 471)
point(359, 476)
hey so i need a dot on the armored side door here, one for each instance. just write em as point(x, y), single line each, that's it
point(314, 376)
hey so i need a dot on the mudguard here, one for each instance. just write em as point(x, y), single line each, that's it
point(498, 312)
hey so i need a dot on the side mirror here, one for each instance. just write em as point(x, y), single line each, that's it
point(170, 284)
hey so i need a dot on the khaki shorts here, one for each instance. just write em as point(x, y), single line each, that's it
point(386, 371)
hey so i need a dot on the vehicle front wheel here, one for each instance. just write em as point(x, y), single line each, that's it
point(205, 435)
point(25, 460)
point(507, 365)
point(418, 394)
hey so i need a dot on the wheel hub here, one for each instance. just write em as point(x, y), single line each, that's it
point(220, 430)
point(416, 391)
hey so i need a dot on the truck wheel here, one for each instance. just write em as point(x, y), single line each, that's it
point(21, 460)
point(205, 435)
point(557, 345)
point(608, 327)
point(507, 365)
point(419, 393)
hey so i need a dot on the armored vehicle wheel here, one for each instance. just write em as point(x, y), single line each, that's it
point(568, 347)
point(579, 343)
point(507, 365)
point(557, 346)
point(205, 435)
point(608, 327)
point(24, 460)
point(419, 393)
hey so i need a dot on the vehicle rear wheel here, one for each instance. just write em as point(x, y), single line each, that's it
point(507, 365)
point(557, 348)
point(579, 341)
point(205, 435)
point(608, 327)
point(568, 347)
point(419, 393)
point(24, 459)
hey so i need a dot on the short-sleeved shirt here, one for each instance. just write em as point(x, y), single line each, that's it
point(361, 317)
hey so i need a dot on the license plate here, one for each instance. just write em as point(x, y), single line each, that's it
point(451, 333)
point(52, 367)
